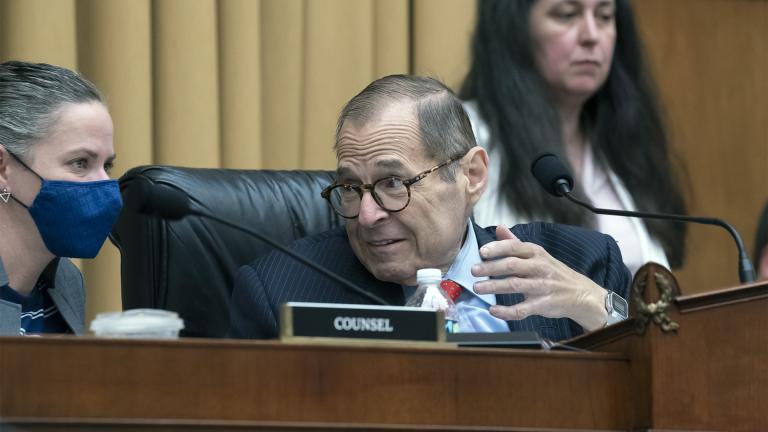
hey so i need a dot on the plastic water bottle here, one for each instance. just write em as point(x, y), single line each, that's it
point(429, 295)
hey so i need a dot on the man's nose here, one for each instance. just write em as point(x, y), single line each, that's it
point(370, 211)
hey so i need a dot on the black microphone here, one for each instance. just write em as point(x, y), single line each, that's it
point(171, 203)
point(555, 178)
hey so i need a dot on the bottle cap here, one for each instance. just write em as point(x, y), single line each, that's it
point(429, 275)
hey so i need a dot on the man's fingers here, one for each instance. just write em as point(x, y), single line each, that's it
point(519, 311)
point(510, 266)
point(508, 247)
point(503, 233)
point(513, 285)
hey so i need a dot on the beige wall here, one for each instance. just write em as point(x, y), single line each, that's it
point(710, 58)
point(258, 84)
point(214, 83)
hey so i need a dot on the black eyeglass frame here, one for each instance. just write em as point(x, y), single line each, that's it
point(361, 188)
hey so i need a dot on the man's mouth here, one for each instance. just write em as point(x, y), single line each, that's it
point(379, 243)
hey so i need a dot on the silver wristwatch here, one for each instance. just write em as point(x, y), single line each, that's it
point(616, 307)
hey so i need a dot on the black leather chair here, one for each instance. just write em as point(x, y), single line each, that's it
point(188, 265)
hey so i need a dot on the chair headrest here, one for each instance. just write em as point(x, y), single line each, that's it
point(188, 265)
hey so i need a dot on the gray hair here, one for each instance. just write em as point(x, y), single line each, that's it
point(443, 124)
point(31, 95)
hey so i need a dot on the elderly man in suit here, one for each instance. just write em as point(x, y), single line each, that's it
point(408, 175)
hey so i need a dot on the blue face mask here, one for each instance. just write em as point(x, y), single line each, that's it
point(74, 218)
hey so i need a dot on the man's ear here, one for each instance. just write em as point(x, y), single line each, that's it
point(475, 168)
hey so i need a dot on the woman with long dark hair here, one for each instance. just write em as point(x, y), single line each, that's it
point(568, 77)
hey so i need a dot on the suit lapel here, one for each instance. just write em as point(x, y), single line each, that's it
point(392, 293)
point(356, 273)
point(10, 318)
point(487, 235)
point(64, 292)
point(66, 310)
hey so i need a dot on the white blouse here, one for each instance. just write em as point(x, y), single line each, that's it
point(601, 185)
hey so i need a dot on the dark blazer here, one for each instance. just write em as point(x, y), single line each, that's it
point(68, 294)
point(262, 286)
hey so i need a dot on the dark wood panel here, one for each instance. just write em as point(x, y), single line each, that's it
point(267, 383)
point(707, 375)
point(710, 58)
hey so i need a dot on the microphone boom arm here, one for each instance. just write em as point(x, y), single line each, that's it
point(297, 257)
point(746, 270)
point(170, 202)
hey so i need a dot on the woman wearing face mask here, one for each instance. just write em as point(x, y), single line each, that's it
point(56, 198)
point(568, 77)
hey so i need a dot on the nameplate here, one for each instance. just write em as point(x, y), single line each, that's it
point(344, 321)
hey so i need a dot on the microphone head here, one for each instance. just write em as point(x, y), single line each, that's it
point(145, 196)
point(552, 174)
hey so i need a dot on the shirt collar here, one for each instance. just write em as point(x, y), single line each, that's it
point(461, 269)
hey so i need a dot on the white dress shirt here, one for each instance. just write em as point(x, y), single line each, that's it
point(471, 308)
point(601, 185)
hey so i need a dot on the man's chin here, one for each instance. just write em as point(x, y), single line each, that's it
point(393, 274)
point(388, 267)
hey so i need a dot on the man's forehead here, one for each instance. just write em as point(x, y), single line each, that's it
point(383, 164)
point(385, 113)
point(379, 140)
point(390, 139)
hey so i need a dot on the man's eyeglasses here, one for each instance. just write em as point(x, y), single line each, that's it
point(393, 194)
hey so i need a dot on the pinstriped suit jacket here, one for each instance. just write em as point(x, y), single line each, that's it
point(262, 286)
